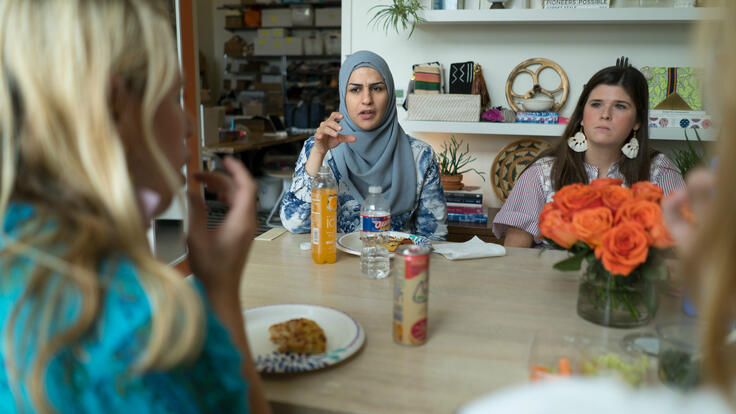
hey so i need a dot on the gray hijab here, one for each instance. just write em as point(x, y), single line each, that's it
point(381, 156)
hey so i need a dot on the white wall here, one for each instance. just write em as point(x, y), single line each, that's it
point(581, 49)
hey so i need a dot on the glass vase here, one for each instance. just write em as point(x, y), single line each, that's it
point(616, 301)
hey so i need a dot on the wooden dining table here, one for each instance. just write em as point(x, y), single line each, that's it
point(483, 316)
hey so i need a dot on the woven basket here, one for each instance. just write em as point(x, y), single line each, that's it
point(444, 107)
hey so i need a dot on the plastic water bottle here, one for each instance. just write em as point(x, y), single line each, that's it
point(375, 220)
point(324, 216)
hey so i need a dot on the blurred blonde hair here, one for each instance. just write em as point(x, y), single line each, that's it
point(60, 150)
point(714, 259)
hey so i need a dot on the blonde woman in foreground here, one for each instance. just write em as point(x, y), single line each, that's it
point(707, 243)
point(92, 139)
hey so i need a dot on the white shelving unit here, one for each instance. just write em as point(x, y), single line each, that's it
point(541, 130)
point(572, 16)
point(547, 17)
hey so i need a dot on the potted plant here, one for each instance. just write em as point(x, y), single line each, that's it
point(689, 158)
point(453, 163)
point(399, 14)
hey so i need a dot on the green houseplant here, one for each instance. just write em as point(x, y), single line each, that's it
point(401, 14)
point(687, 159)
point(453, 161)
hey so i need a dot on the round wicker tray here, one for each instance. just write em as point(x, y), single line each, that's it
point(510, 163)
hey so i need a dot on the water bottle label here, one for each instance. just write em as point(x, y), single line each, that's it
point(375, 224)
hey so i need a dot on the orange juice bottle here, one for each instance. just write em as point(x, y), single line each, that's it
point(324, 216)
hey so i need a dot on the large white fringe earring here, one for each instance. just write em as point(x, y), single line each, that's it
point(578, 142)
point(631, 149)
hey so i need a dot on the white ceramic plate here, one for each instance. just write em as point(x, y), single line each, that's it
point(350, 243)
point(344, 335)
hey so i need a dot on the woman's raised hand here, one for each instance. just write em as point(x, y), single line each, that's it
point(217, 257)
point(683, 209)
point(328, 134)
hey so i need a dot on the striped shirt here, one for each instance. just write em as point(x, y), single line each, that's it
point(533, 189)
point(428, 218)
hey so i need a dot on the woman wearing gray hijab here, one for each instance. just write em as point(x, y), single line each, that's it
point(364, 145)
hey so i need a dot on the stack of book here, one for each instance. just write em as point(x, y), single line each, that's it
point(537, 117)
point(466, 206)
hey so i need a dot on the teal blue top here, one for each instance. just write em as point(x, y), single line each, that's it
point(96, 376)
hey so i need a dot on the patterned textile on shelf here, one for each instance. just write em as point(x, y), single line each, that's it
point(427, 79)
point(461, 77)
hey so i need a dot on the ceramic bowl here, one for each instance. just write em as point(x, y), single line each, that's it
point(537, 104)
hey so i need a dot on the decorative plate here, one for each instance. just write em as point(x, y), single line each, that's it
point(344, 335)
point(350, 243)
point(510, 163)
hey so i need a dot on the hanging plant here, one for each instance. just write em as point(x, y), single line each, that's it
point(401, 14)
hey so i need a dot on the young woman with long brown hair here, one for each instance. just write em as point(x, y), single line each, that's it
point(606, 136)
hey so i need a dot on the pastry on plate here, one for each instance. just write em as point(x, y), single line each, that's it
point(302, 336)
point(395, 242)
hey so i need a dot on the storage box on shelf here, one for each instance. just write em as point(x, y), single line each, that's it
point(276, 18)
point(328, 16)
point(284, 37)
point(444, 107)
point(271, 46)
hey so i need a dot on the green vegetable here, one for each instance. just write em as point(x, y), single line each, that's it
point(634, 373)
point(679, 369)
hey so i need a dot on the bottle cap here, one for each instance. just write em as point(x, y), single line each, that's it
point(374, 189)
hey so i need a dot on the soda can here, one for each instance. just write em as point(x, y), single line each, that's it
point(411, 295)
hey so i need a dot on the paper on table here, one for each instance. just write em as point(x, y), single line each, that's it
point(472, 249)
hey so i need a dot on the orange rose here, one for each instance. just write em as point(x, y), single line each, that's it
point(547, 208)
point(649, 216)
point(623, 248)
point(591, 224)
point(645, 190)
point(574, 197)
point(614, 196)
point(602, 182)
point(661, 238)
point(557, 228)
point(646, 213)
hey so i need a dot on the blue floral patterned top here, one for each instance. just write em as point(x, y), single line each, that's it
point(95, 376)
point(428, 218)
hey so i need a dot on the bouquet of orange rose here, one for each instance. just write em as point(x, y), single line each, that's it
point(619, 232)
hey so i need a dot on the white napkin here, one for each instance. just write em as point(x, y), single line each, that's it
point(472, 249)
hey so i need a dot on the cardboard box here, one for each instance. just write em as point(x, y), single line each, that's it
point(253, 109)
point(327, 16)
point(276, 32)
point(274, 103)
point(276, 18)
point(278, 47)
point(275, 87)
point(234, 20)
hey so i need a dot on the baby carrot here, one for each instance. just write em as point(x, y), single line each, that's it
point(538, 373)
point(564, 367)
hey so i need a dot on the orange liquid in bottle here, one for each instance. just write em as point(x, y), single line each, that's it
point(324, 225)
